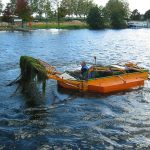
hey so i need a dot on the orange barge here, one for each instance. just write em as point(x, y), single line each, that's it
point(119, 80)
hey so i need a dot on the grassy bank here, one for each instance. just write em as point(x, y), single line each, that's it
point(62, 25)
point(46, 25)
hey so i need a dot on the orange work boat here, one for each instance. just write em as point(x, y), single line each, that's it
point(108, 79)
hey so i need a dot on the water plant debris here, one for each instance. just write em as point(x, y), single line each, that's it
point(32, 70)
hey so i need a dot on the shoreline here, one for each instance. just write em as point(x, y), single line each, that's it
point(46, 25)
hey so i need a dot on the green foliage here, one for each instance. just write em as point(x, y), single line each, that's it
point(113, 15)
point(135, 15)
point(147, 15)
point(76, 7)
point(95, 18)
point(62, 12)
point(67, 6)
point(13, 6)
point(84, 7)
point(51, 8)
point(1, 6)
point(7, 14)
point(32, 69)
point(33, 5)
point(41, 7)
point(117, 11)
point(48, 9)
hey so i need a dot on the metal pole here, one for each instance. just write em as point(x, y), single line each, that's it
point(95, 60)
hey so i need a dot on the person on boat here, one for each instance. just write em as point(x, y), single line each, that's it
point(84, 70)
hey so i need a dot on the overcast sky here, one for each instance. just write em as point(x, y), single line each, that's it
point(141, 5)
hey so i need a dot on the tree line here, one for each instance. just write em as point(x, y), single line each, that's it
point(135, 15)
point(114, 14)
point(47, 8)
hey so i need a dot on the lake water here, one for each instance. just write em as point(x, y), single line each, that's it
point(63, 119)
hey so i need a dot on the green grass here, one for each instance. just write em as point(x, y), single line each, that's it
point(61, 26)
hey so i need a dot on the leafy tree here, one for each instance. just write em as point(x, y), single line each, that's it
point(81, 7)
point(95, 18)
point(56, 7)
point(84, 7)
point(76, 7)
point(23, 10)
point(147, 15)
point(1, 6)
point(62, 12)
point(41, 7)
point(48, 9)
point(117, 11)
point(7, 13)
point(13, 6)
point(67, 6)
point(135, 15)
point(33, 5)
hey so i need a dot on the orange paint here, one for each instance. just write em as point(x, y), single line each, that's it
point(106, 84)
point(109, 84)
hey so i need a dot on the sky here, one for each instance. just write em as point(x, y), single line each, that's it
point(141, 5)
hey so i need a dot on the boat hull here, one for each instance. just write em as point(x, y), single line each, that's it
point(107, 84)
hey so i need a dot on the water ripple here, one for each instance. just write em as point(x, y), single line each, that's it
point(64, 119)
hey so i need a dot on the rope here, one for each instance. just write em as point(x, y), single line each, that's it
point(17, 80)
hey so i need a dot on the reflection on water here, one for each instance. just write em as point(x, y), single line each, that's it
point(65, 119)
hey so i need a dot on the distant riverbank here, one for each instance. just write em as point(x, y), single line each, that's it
point(62, 25)
point(46, 25)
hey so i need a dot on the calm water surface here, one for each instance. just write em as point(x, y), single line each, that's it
point(63, 119)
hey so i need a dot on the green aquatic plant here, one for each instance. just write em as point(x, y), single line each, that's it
point(32, 70)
